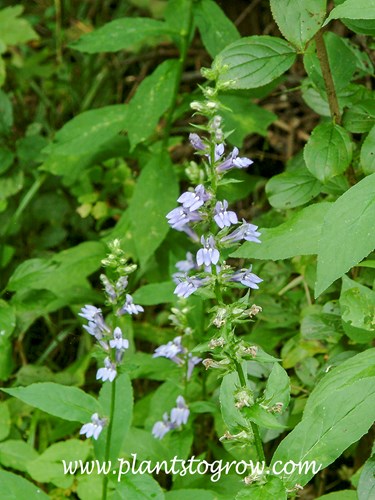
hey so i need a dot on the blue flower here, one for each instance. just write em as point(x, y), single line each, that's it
point(118, 342)
point(222, 216)
point(180, 414)
point(129, 307)
point(245, 232)
point(192, 361)
point(246, 277)
point(161, 428)
point(108, 372)
point(209, 254)
point(188, 285)
point(196, 142)
point(233, 161)
point(94, 428)
point(188, 264)
point(171, 350)
point(95, 318)
point(194, 199)
point(179, 217)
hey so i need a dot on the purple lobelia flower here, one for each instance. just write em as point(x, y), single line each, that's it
point(192, 361)
point(161, 428)
point(95, 317)
point(94, 428)
point(194, 199)
point(209, 254)
point(108, 372)
point(118, 342)
point(129, 307)
point(188, 264)
point(188, 285)
point(233, 161)
point(244, 232)
point(180, 414)
point(171, 350)
point(222, 216)
point(197, 142)
point(179, 217)
point(246, 277)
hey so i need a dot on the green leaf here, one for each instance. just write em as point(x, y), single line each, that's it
point(122, 416)
point(278, 387)
point(298, 20)
point(368, 153)
point(298, 236)
point(340, 495)
point(357, 303)
point(155, 293)
point(137, 487)
point(6, 159)
point(14, 31)
point(323, 433)
point(353, 9)
point(253, 62)
point(273, 489)
point(244, 117)
point(88, 131)
point(14, 487)
point(188, 494)
point(69, 403)
point(360, 117)
point(328, 152)
point(6, 113)
point(232, 416)
point(124, 33)
point(7, 319)
point(347, 234)
point(154, 196)
point(366, 485)
point(5, 420)
point(153, 97)
point(292, 189)
point(11, 185)
point(48, 467)
point(17, 454)
point(216, 30)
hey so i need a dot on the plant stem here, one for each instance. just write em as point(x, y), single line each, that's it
point(185, 35)
point(254, 426)
point(327, 75)
point(109, 436)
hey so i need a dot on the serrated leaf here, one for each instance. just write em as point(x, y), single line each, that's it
point(253, 62)
point(153, 97)
point(347, 234)
point(328, 152)
point(14, 31)
point(360, 117)
point(69, 403)
point(322, 435)
point(298, 236)
point(353, 9)
point(121, 34)
point(154, 196)
point(292, 189)
point(216, 30)
point(299, 20)
point(368, 153)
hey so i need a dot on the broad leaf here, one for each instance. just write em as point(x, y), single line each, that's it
point(17, 454)
point(273, 489)
point(253, 62)
point(368, 153)
point(298, 20)
point(353, 9)
point(69, 403)
point(14, 487)
point(137, 487)
point(216, 30)
point(13, 30)
point(298, 236)
point(328, 151)
point(154, 196)
point(125, 33)
point(366, 485)
point(347, 234)
point(360, 117)
point(155, 293)
point(153, 97)
point(323, 435)
point(292, 189)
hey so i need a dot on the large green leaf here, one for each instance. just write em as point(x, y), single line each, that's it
point(153, 97)
point(328, 152)
point(347, 234)
point(298, 236)
point(368, 153)
point(137, 487)
point(253, 62)
point(124, 33)
point(353, 9)
point(14, 487)
point(299, 20)
point(366, 485)
point(69, 403)
point(216, 30)
point(155, 293)
point(292, 189)
point(338, 412)
point(13, 30)
point(17, 454)
point(360, 117)
point(154, 196)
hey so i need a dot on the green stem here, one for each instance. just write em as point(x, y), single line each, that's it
point(185, 35)
point(327, 76)
point(257, 439)
point(109, 437)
